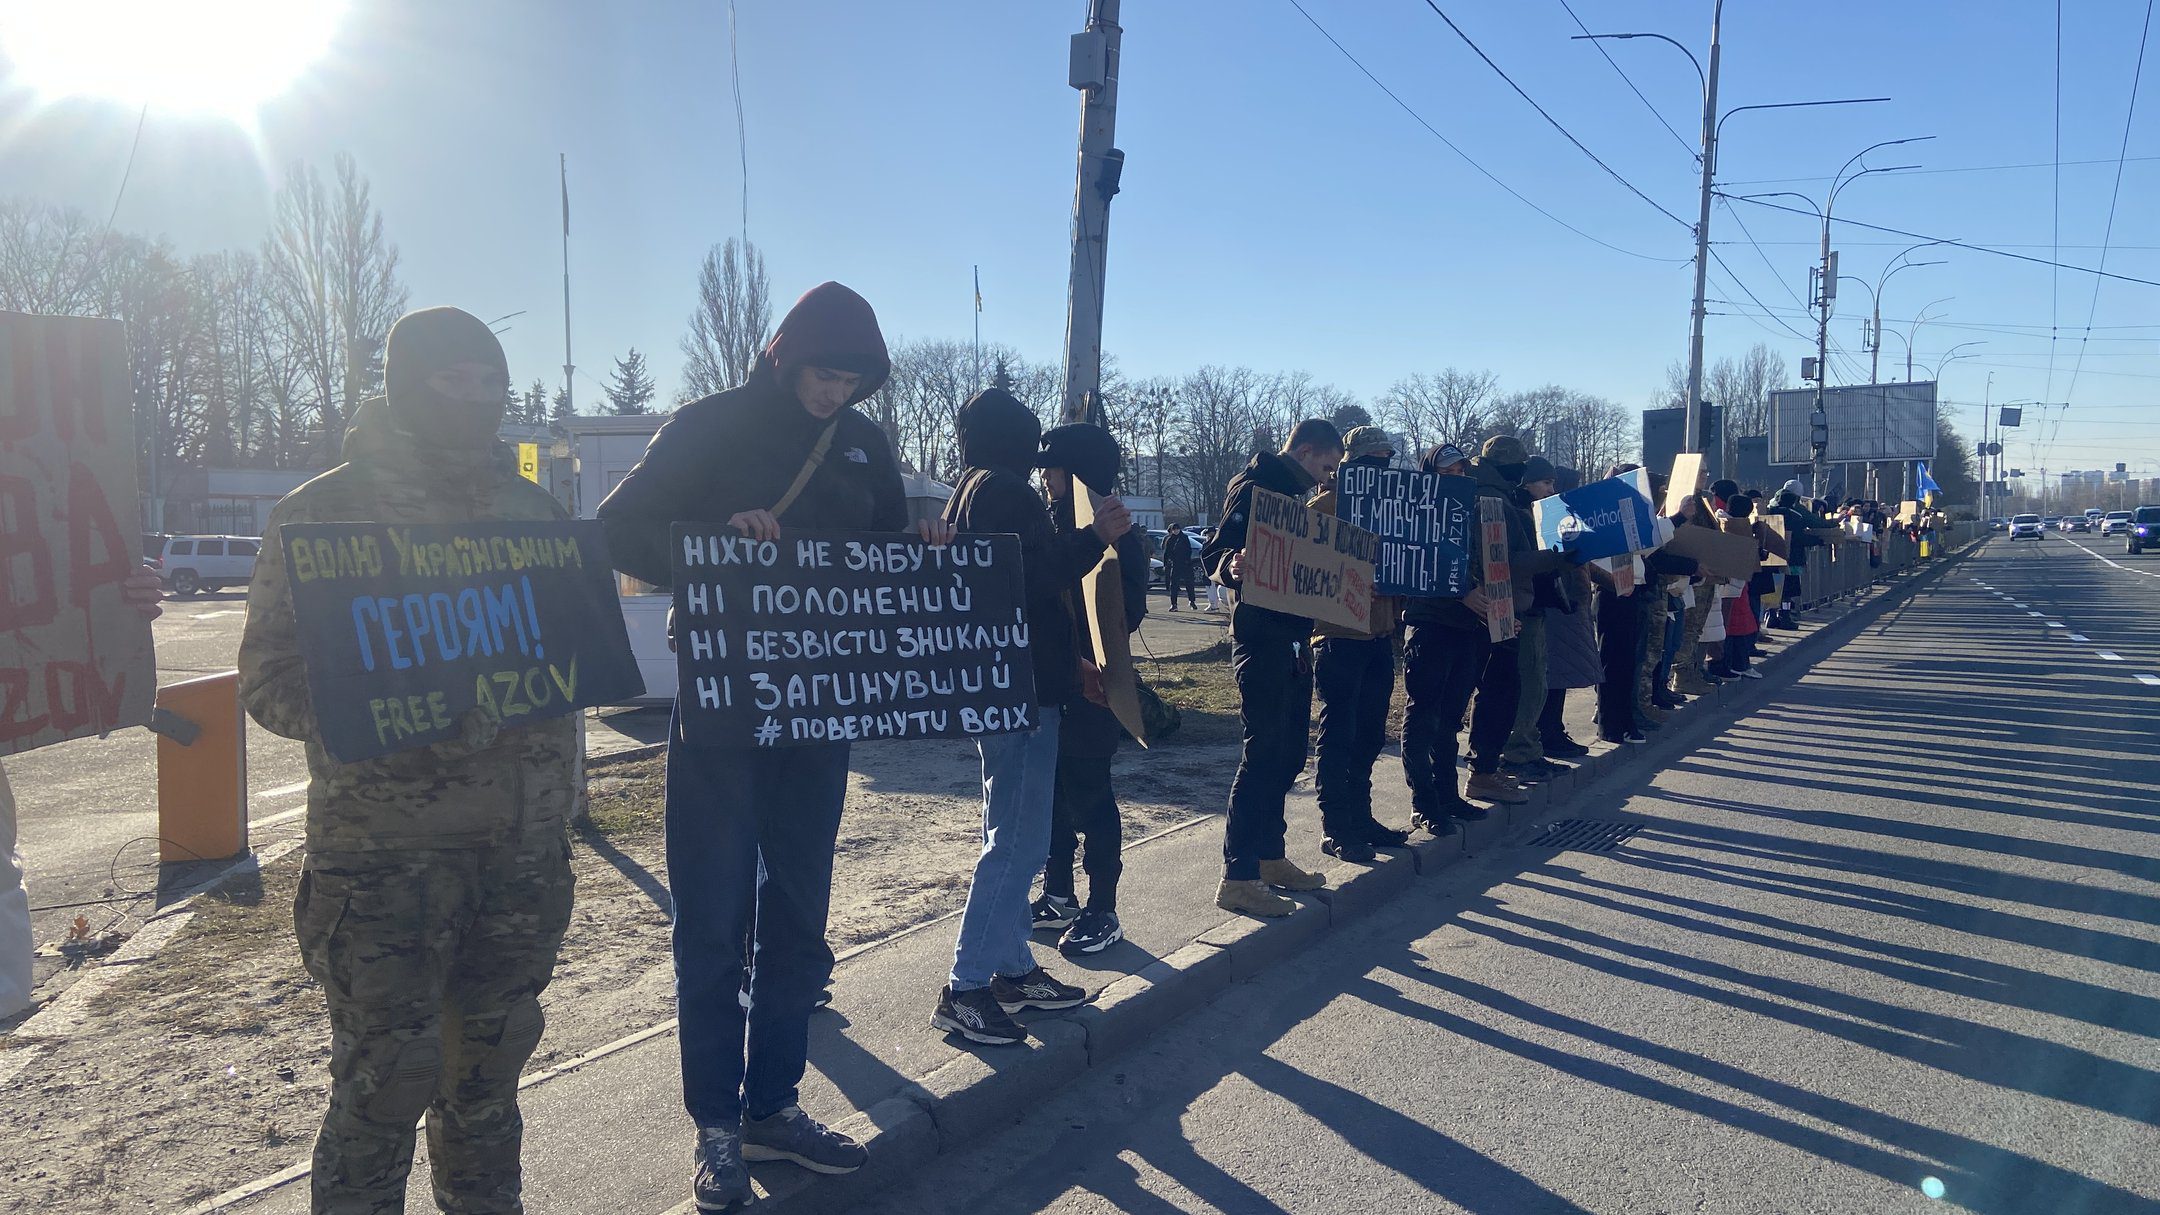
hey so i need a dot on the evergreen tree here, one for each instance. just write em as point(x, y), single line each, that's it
point(533, 410)
point(561, 410)
point(631, 389)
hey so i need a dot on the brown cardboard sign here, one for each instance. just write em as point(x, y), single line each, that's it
point(1102, 592)
point(1499, 577)
point(1687, 474)
point(75, 659)
point(1722, 555)
point(1774, 537)
point(1308, 563)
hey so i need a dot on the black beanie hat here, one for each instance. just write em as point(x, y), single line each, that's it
point(1086, 451)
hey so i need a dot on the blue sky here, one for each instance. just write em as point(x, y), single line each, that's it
point(1279, 210)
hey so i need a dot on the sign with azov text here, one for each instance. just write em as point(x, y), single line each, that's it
point(75, 659)
point(847, 636)
point(1427, 526)
point(1308, 563)
point(405, 630)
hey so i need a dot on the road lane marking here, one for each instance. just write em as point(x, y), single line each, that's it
point(2153, 680)
point(298, 786)
point(2108, 655)
point(2117, 564)
point(2055, 624)
point(275, 819)
point(215, 615)
point(2036, 613)
point(2079, 637)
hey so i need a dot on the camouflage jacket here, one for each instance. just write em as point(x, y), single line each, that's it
point(441, 796)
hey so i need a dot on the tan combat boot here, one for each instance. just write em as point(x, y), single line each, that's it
point(1495, 787)
point(1287, 876)
point(1252, 898)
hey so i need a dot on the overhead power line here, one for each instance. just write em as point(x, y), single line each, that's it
point(2137, 75)
point(1467, 159)
point(1580, 146)
point(1654, 112)
point(2030, 164)
point(1943, 240)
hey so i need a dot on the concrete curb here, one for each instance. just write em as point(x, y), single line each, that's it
point(959, 1103)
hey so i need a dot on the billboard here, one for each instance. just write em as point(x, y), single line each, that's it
point(1664, 431)
point(1868, 422)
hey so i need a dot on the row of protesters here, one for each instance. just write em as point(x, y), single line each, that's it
point(437, 886)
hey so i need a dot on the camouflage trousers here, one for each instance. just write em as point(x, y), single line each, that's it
point(432, 963)
point(1655, 614)
point(1524, 745)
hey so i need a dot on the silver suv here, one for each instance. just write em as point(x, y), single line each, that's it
point(208, 563)
point(2026, 527)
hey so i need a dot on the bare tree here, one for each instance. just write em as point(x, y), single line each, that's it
point(1220, 420)
point(47, 258)
point(1432, 409)
point(331, 277)
point(732, 322)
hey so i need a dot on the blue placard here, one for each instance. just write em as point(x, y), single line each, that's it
point(1427, 526)
point(1616, 515)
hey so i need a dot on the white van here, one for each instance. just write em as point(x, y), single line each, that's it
point(607, 448)
point(208, 563)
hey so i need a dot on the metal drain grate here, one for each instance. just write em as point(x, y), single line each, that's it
point(1585, 834)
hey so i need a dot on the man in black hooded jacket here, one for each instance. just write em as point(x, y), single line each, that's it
point(994, 972)
point(1271, 655)
point(751, 831)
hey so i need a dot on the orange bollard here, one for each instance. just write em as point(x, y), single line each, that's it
point(202, 770)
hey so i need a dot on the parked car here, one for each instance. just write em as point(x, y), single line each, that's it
point(2116, 523)
point(208, 563)
point(2144, 530)
point(2026, 527)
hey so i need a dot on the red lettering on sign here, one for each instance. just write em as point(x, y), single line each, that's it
point(1267, 560)
point(76, 695)
point(90, 517)
point(25, 560)
point(15, 719)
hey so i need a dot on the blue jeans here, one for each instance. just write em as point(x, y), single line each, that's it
point(750, 836)
point(1019, 786)
point(1675, 632)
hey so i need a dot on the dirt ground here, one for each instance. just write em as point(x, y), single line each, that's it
point(206, 1067)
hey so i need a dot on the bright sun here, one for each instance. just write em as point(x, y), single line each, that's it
point(223, 57)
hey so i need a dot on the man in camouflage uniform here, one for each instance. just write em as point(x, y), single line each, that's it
point(437, 884)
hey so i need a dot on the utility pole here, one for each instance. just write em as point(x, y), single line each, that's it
point(1692, 434)
point(1094, 71)
point(1826, 294)
point(569, 366)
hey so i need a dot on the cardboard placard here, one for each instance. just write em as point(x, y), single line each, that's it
point(1622, 571)
point(1102, 595)
point(1426, 524)
point(75, 659)
point(1308, 563)
point(1908, 512)
point(1687, 476)
point(1498, 577)
point(841, 636)
point(1723, 556)
point(1775, 539)
point(406, 629)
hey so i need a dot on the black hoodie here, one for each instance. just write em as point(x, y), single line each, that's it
point(739, 450)
point(1276, 473)
point(999, 439)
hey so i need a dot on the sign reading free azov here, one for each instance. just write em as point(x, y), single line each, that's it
point(844, 636)
point(405, 630)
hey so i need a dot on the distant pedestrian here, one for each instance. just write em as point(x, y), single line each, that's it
point(1180, 565)
point(1354, 674)
point(994, 972)
point(1271, 659)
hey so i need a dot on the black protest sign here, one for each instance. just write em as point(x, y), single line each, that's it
point(842, 636)
point(1427, 526)
point(405, 630)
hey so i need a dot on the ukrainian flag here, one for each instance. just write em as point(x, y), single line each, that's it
point(1928, 488)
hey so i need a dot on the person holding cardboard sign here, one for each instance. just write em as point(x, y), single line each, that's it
point(437, 883)
point(1271, 656)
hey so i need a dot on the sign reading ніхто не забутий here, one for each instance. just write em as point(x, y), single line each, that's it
point(844, 636)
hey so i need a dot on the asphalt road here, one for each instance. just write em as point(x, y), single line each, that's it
point(1894, 935)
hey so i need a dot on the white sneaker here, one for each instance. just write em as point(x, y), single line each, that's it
point(1751, 673)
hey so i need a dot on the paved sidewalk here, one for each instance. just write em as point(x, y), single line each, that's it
point(609, 1134)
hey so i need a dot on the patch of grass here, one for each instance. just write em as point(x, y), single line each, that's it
point(1201, 686)
point(624, 799)
point(233, 969)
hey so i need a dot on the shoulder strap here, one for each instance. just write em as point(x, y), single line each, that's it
point(809, 470)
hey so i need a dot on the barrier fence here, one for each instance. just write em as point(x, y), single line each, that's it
point(1842, 567)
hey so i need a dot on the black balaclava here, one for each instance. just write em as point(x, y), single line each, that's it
point(423, 343)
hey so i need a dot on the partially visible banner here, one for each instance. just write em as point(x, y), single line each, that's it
point(75, 659)
point(1102, 592)
point(1616, 517)
point(405, 630)
point(529, 462)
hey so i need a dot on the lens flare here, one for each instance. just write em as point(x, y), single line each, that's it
point(218, 57)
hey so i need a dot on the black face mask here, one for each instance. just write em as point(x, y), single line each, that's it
point(1511, 473)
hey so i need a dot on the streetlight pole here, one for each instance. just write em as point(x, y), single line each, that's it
point(1875, 367)
point(1920, 318)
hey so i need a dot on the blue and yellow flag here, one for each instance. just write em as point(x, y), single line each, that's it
point(1928, 488)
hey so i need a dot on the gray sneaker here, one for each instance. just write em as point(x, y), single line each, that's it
point(797, 1138)
point(720, 1182)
